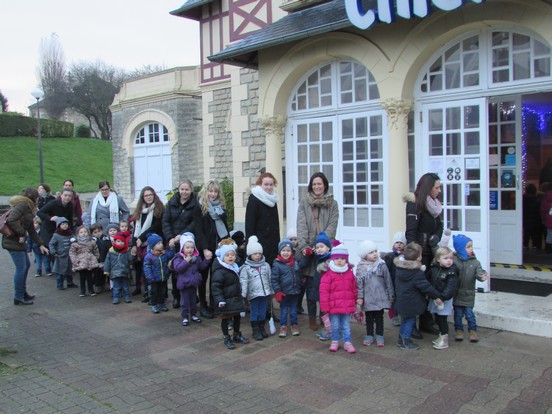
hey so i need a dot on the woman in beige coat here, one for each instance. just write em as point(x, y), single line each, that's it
point(318, 211)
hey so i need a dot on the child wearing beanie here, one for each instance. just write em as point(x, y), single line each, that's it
point(187, 265)
point(59, 250)
point(375, 290)
point(156, 271)
point(469, 269)
point(226, 291)
point(397, 248)
point(117, 268)
point(338, 297)
point(286, 282)
point(255, 286)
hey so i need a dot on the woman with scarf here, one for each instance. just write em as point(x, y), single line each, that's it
point(107, 207)
point(423, 220)
point(318, 212)
point(210, 227)
point(148, 217)
point(261, 216)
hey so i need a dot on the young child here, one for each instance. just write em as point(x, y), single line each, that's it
point(59, 249)
point(156, 271)
point(375, 290)
point(41, 260)
point(322, 246)
point(104, 244)
point(399, 241)
point(444, 277)
point(338, 297)
point(124, 227)
point(255, 286)
point(117, 268)
point(84, 254)
point(469, 269)
point(187, 265)
point(239, 239)
point(286, 283)
point(226, 291)
point(411, 288)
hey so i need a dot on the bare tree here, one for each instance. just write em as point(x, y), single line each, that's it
point(92, 89)
point(53, 76)
point(4, 105)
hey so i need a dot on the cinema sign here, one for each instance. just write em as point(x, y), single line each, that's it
point(386, 11)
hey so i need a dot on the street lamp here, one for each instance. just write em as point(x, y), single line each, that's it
point(38, 94)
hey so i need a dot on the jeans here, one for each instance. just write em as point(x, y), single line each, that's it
point(341, 322)
point(288, 306)
point(22, 264)
point(406, 327)
point(59, 280)
point(258, 308)
point(42, 261)
point(121, 284)
point(461, 312)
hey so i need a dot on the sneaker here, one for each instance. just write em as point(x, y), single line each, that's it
point(324, 336)
point(196, 319)
point(442, 342)
point(163, 308)
point(82, 295)
point(155, 309)
point(295, 330)
point(49, 274)
point(380, 341)
point(408, 344)
point(128, 300)
point(185, 322)
point(348, 346)
point(93, 294)
point(228, 342)
point(395, 321)
point(115, 301)
point(38, 275)
point(283, 332)
point(473, 336)
point(459, 335)
point(239, 338)
point(334, 346)
point(368, 340)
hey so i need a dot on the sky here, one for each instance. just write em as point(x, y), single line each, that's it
point(124, 33)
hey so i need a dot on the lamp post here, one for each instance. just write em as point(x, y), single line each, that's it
point(38, 94)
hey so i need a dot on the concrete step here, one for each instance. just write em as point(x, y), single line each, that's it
point(515, 313)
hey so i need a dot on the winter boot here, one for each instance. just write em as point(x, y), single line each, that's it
point(459, 335)
point(408, 344)
point(262, 329)
point(228, 342)
point(473, 336)
point(256, 331)
point(441, 342)
point(239, 338)
point(312, 323)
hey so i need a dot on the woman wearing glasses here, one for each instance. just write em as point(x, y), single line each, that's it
point(108, 207)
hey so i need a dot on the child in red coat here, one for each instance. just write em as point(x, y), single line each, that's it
point(338, 297)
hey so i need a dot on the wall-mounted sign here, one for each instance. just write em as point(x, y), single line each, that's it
point(387, 12)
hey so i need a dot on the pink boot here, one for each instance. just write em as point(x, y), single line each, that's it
point(348, 346)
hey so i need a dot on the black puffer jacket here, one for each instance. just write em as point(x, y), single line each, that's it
point(262, 221)
point(178, 218)
point(444, 279)
point(205, 230)
point(226, 287)
point(54, 208)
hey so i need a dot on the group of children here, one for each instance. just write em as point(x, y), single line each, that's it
point(397, 282)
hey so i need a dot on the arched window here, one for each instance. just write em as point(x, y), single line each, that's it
point(151, 134)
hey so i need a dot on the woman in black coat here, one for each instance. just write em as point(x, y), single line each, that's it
point(44, 195)
point(261, 216)
point(210, 227)
point(60, 207)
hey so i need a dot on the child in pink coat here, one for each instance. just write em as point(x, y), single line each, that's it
point(338, 297)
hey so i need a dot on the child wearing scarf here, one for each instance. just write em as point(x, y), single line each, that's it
point(59, 249)
point(117, 268)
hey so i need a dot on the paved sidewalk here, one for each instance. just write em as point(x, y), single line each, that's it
point(85, 355)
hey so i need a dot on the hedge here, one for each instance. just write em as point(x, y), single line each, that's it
point(24, 126)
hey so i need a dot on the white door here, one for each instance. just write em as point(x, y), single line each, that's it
point(505, 192)
point(454, 146)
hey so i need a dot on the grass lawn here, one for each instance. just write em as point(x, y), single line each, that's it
point(85, 161)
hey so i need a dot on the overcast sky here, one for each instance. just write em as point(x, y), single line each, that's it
point(124, 33)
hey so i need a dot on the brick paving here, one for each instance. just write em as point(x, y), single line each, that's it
point(66, 354)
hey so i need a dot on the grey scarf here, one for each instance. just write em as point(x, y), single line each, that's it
point(216, 212)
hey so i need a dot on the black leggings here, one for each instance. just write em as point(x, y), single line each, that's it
point(371, 317)
point(236, 319)
point(442, 322)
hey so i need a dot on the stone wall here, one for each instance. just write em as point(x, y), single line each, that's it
point(221, 150)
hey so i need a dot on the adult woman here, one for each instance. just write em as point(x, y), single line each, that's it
point(423, 220)
point(317, 212)
point(179, 218)
point(44, 195)
point(77, 208)
point(210, 227)
point(147, 216)
point(21, 223)
point(58, 207)
point(261, 216)
point(108, 207)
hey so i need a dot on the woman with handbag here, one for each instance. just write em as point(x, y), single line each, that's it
point(147, 216)
point(20, 221)
point(318, 212)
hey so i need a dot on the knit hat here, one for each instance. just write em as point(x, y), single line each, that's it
point(238, 237)
point(366, 247)
point(225, 248)
point(253, 246)
point(121, 237)
point(323, 238)
point(112, 226)
point(60, 220)
point(291, 233)
point(187, 238)
point(285, 243)
point(339, 252)
point(399, 237)
point(153, 239)
point(459, 242)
